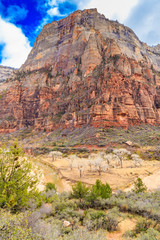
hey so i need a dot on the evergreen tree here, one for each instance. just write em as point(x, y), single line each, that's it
point(80, 191)
point(139, 186)
point(100, 190)
point(17, 179)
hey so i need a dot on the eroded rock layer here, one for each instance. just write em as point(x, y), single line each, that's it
point(84, 69)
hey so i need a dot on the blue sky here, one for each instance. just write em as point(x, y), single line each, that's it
point(21, 21)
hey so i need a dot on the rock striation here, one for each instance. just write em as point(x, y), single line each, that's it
point(5, 73)
point(84, 69)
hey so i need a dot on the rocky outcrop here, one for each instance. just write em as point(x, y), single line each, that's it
point(84, 69)
point(5, 73)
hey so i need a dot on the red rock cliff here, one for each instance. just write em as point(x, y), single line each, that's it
point(84, 69)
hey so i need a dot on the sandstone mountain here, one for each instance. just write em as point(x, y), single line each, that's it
point(5, 73)
point(84, 70)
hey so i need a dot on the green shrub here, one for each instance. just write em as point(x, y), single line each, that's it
point(83, 234)
point(142, 225)
point(139, 186)
point(79, 191)
point(100, 190)
point(15, 227)
point(150, 234)
point(50, 186)
point(95, 219)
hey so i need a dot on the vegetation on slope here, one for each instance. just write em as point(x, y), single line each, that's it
point(85, 213)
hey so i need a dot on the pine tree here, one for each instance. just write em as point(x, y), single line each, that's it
point(100, 190)
point(139, 186)
point(80, 191)
point(17, 179)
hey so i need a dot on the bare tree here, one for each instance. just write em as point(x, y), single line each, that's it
point(137, 160)
point(72, 161)
point(121, 154)
point(80, 166)
point(108, 158)
point(100, 165)
point(90, 163)
point(55, 155)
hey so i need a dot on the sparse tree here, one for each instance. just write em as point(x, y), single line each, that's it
point(80, 166)
point(108, 157)
point(72, 161)
point(137, 160)
point(100, 165)
point(55, 155)
point(90, 163)
point(139, 186)
point(121, 154)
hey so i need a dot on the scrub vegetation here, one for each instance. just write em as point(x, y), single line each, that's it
point(85, 213)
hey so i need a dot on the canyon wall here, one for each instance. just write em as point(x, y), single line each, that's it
point(84, 70)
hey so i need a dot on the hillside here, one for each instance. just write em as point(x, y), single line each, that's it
point(84, 70)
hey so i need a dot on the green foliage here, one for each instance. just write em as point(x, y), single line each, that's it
point(95, 220)
point(83, 234)
point(139, 186)
point(50, 186)
point(150, 234)
point(17, 180)
point(100, 190)
point(79, 191)
point(142, 225)
point(15, 227)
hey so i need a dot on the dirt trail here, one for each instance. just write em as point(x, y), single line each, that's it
point(125, 225)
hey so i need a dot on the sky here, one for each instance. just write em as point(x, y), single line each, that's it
point(22, 20)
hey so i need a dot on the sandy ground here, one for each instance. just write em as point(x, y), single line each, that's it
point(118, 178)
point(124, 226)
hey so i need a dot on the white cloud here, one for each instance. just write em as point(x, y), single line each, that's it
point(112, 9)
point(55, 2)
point(54, 12)
point(16, 45)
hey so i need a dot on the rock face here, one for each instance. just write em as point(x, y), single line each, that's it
point(5, 73)
point(84, 69)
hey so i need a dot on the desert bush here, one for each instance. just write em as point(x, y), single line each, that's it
point(61, 205)
point(68, 214)
point(84, 234)
point(142, 225)
point(129, 235)
point(16, 227)
point(113, 216)
point(94, 219)
point(48, 229)
point(150, 234)
point(45, 209)
point(144, 204)
point(49, 196)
